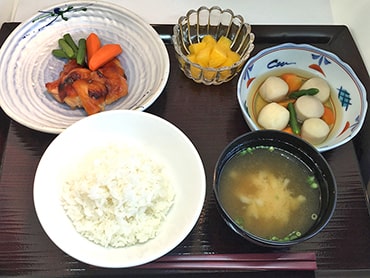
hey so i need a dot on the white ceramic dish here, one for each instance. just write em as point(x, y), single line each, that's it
point(26, 63)
point(347, 92)
point(176, 151)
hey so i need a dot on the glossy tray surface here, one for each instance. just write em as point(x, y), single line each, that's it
point(211, 118)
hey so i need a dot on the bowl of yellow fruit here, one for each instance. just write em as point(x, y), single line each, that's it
point(212, 44)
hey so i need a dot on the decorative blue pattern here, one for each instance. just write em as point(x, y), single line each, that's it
point(58, 12)
point(344, 97)
point(320, 59)
point(356, 123)
point(276, 63)
point(249, 70)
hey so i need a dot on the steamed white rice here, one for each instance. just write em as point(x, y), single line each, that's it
point(118, 196)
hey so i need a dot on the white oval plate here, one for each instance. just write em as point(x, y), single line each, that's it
point(174, 149)
point(26, 63)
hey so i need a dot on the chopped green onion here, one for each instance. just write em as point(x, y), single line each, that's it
point(314, 185)
point(311, 180)
point(239, 221)
point(243, 152)
point(291, 236)
point(246, 151)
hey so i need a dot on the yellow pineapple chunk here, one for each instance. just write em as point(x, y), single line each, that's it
point(224, 43)
point(225, 74)
point(213, 54)
point(234, 56)
point(228, 62)
point(217, 57)
point(197, 47)
point(203, 56)
point(195, 72)
point(192, 58)
point(209, 74)
point(209, 40)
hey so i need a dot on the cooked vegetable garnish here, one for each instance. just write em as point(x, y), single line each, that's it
point(239, 221)
point(293, 119)
point(328, 116)
point(88, 51)
point(314, 185)
point(92, 45)
point(68, 38)
point(81, 53)
point(103, 55)
point(246, 151)
point(293, 235)
point(288, 129)
point(66, 48)
point(311, 180)
point(309, 92)
point(294, 81)
point(59, 53)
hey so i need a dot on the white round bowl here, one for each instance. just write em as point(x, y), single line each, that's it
point(26, 62)
point(347, 92)
point(174, 150)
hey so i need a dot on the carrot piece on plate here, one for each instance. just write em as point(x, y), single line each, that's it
point(92, 45)
point(105, 54)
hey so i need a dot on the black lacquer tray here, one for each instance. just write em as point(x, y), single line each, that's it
point(211, 118)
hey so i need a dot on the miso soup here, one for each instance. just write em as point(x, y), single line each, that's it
point(270, 193)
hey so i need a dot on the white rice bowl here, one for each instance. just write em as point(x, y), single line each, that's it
point(168, 147)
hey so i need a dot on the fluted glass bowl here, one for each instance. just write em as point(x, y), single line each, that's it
point(216, 22)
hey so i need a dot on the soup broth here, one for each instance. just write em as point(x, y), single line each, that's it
point(269, 193)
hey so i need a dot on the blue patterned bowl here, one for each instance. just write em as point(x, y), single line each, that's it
point(348, 95)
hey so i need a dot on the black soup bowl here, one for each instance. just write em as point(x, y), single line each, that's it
point(273, 188)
